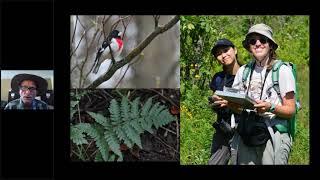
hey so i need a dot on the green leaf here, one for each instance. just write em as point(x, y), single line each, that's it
point(99, 118)
point(146, 107)
point(115, 112)
point(132, 134)
point(135, 108)
point(113, 142)
point(190, 26)
point(125, 109)
point(77, 136)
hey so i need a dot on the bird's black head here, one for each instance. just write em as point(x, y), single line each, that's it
point(115, 34)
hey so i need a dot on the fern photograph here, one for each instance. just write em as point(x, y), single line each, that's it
point(117, 125)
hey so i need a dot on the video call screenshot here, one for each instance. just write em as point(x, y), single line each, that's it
point(102, 93)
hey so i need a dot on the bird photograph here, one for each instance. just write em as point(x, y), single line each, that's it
point(124, 51)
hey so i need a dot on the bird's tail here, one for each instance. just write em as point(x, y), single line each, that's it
point(96, 69)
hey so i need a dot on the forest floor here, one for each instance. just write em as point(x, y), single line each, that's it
point(161, 145)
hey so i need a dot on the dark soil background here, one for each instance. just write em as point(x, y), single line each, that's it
point(161, 145)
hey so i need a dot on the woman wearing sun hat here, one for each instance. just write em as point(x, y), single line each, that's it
point(258, 141)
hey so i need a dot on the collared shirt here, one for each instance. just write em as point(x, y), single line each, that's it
point(18, 104)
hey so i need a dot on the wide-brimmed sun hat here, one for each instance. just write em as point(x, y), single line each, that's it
point(261, 29)
point(41, 83)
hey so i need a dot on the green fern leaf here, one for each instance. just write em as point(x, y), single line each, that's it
point(132, 134)
point(72, 108)
point(96, 131)
point(156, 118)
point(100, 119)
point(98, 134)
point(122, 136)
point(136, 125)
point(98, 157)
point(146, 107)
point(115, 112)
point(113, 142)
point(135, 108)
point(112, 158)
point(146, 125)
point(125, 109)
point(164, 118)
point(77, 136)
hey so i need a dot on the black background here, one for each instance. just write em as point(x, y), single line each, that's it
point(36, 35)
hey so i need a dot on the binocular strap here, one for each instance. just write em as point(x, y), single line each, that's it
point(272, 134)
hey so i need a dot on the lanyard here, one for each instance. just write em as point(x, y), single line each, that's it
point(265, 77)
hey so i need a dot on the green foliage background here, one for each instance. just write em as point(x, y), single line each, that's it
point(198, 34)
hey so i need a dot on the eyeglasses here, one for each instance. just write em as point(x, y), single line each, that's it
point(25, 88)
point(262, 39)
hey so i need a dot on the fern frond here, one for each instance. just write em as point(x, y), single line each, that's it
point(156, 117)
point(113, 142)
point(100, 119)
point(112, 158)
point(132, 134)
point(97, 132)
point(98, 157)
point(72, 108)
point(127, 122)
point(137, 125)
point(115, 113)
point(145, 124)
point(77, 136)
point(135, 108)
point(146, 107)
point(164, 118)
point(125, 109)
point(121, 134)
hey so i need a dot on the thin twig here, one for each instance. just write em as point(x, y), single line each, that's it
point(166, 144)
point(178, 134)
point(168, 130)
point(74, 30)
point(127, 70)
point(78, 106)
point(83, 33)
point(168, 99)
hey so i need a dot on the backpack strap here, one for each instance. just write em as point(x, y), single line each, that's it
point(275, 76)
point(248, 68)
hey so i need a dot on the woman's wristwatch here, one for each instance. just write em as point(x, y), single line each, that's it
point(272, 108)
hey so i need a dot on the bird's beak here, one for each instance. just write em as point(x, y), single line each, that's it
point(120, 34)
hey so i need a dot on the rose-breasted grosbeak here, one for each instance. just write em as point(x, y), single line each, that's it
point(116, 44)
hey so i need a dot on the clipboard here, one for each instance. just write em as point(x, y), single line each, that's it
point(243, 99)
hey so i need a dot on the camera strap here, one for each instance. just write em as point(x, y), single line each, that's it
point(264, 81)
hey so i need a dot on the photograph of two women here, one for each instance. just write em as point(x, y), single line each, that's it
point(143, 88)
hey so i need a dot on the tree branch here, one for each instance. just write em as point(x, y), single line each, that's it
point(134, 53)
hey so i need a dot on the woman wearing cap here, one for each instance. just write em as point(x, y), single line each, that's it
point(226, 54)
point(271, 109)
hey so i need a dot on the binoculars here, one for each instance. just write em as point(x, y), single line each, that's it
point(224, 127)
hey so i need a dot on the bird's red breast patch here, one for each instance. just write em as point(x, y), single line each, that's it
point(119, 41)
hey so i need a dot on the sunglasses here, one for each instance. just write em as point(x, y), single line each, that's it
point(262, 39)
point(25, 88)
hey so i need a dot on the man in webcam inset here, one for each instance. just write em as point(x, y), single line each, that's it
point(28, 86)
